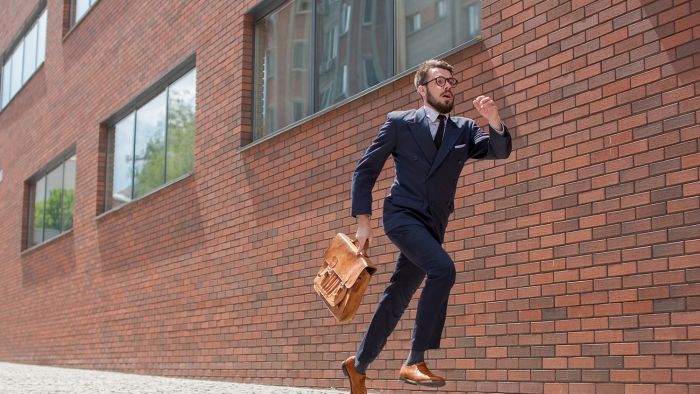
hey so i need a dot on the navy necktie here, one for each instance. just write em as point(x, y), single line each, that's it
point(440, 131)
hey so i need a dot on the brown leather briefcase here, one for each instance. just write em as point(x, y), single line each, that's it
point(343, 277)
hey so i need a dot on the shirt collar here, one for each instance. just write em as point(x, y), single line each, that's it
point(433, 114)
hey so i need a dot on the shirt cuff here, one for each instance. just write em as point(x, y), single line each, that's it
point(503, 129)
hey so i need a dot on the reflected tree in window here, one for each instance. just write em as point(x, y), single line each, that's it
point(163, 143)
point(53, 203)
point(180, 135)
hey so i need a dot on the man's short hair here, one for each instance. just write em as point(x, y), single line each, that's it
point(423, 69)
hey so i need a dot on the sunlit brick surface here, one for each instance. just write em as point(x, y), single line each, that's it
point(578, 258)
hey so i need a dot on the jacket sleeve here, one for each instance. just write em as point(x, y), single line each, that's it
point(490, 146)
point(369, 167)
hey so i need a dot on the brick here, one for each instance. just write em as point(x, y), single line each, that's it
point(589, 228)
point(686, 376)
point(669, 305)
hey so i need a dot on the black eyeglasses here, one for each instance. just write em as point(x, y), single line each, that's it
point(440, 81)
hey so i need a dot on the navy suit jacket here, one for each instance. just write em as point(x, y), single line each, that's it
point(426, 178)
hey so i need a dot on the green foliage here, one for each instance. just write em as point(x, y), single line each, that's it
point(150, 176)
point(180, 138)
point(180, 148)
point(49, 215)
point(68, 209)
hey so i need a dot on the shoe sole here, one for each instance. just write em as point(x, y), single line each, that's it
point(345, 371)
point(426, 384)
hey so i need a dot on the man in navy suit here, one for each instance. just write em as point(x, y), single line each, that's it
point(429, 148)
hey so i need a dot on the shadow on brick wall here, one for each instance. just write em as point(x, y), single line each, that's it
point(53, 260)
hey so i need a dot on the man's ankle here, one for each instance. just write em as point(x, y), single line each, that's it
point(361, 367)
point(415, 357)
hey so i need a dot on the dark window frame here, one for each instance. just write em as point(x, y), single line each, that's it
point(18, 39)
point(31, 184)
point(145, 97)
point(266, 8)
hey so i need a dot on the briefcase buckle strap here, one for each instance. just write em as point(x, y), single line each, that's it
point(332, 286)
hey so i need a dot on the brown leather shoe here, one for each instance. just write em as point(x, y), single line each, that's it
point(420, 374)
point(357, 380)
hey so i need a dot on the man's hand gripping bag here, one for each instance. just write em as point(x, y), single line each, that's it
point(343, 277)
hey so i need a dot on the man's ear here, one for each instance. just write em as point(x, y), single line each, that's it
point(421, 91)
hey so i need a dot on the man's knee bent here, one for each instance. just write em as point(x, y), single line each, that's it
point(446, 275)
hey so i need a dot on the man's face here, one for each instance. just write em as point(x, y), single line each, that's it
point(440, 98)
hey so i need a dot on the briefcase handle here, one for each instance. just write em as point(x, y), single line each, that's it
point(364, 250)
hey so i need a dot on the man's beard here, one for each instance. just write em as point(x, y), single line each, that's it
point(439, 106)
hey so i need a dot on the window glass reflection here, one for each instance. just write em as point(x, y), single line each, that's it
point(122, 146)
point(351, 56)
point(41, 40)
point(68, 194)
point(149, 159)
point(286, 37)
point(25, 59)
point(30, 43)
point(357, 45)
point(54, 203)
point(81, 7)
point(37, 232)
point(6, 78)
point(150, 147)
point(429, 28)
point(16, 60)
point(180, 145)
point(51, 209)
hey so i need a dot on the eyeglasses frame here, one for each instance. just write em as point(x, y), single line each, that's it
point(447, 80)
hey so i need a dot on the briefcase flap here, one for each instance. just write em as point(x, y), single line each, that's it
point(342, 257)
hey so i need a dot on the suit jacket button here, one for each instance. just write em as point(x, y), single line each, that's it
point(415, 158)
point(423, 180)
point(460, 162)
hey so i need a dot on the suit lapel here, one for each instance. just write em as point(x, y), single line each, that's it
point(421, 132)
point(452, 133)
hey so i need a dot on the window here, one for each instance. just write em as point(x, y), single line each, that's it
point(299, 53)
point(303, 6)
point(343, 83)
point(326, 95)
point(154, 144)
point(413, 23)
point(345, 18)
point(472, 19)
point(371, 78)
point(441, 8)
point(369, 11)
point(25, 58)
point(51, 202)
point(290, 32)
point(326, 55)
point(298, 110)
point(81, 7)
point(330, 48)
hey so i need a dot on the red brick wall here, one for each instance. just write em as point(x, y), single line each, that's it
point(578, 258)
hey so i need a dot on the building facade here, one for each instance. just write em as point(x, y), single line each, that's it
point(172, 172)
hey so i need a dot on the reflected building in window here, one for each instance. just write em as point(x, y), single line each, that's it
point(353, 37)
point(428, 28)
point(356, 44)
point(284, 42)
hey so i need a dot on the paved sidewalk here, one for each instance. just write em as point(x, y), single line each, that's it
point(32, 379)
